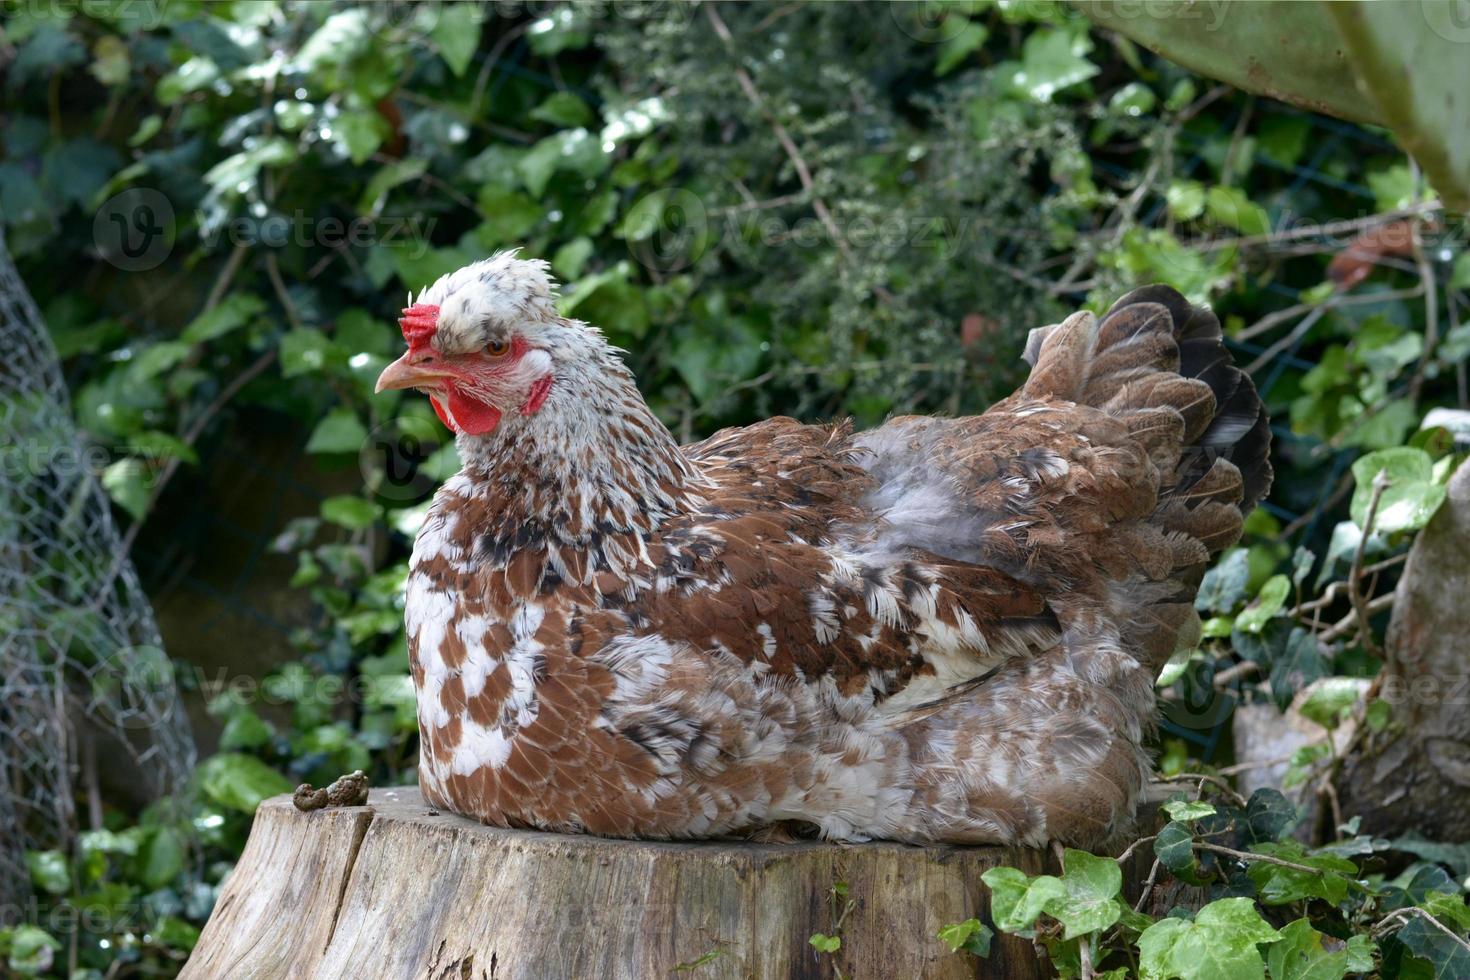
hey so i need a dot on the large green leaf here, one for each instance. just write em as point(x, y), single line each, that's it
point(240, 781)
point(1220, 944)
point(1412, 495)
point(1288, 51)
point(1305, 954)
point(1412, 64)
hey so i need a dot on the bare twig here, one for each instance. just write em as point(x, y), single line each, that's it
point(1340, 628)
point(1388, 924)
point(1431, 313)
point(1369, 642)
point(1204, 777)
point(1148, 886)
point(273, 272)
point(1128, 852)
point(1234, 673)
point(1200, 845)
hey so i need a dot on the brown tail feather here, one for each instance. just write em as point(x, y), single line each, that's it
point(1160, 365)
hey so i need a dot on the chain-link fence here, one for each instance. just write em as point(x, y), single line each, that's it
point(84, 681)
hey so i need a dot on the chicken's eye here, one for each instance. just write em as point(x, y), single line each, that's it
point(497, 348)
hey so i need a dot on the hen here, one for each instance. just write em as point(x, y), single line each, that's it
point(936, 630)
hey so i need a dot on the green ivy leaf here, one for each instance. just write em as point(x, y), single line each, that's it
point(1448, 959)
point(1092, 885)
point(240, 782)
point(360, 132)
point(1269, 602)
point(160, 858)
point(1223, 585)
point(457, 32)
point(1188, 809)
point(563, 109)
point(1174, 847)
point(1220, 944)
point(388, 177)
point(1411, 498)
point(1306, 954)
point(971, 935)
point(129, 485)
point(32, 950)
point(1269, 815)
point(1329, 698)
point(1230, 207)
point(825, 944)
point(353, 513)
point(1278, 885)
point(1083, 900)
point(245, 729)
point(49, 871)
point(1185, 199)
point(1016, 899)
point(1053, 60)
point(339, 432)
point(1449, 909)
point(960, 46)
point(232, 313)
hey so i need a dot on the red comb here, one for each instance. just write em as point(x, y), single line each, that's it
point(418, 323)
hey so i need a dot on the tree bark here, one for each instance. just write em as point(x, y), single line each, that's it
point(396, 890)
point(1416, 774)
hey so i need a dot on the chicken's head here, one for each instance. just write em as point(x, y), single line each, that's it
point(480, 343)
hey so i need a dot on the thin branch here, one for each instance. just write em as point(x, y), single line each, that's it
point(1200, 845)
point(273, 272)
point(1381, 927)
point(1204, 777)
point(1148, 886)
point(1234, 673)
point(1369, 642)
point(1128, 853)
point(1431, 313)
point(1340, 628)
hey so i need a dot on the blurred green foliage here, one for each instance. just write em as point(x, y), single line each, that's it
point(806, 209)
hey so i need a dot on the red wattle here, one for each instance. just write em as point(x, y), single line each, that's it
point(443, 416)
point(471, 417)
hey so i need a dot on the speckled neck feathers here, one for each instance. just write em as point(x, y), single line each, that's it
point(592, 466)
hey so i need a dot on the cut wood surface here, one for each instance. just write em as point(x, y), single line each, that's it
point(396, 890)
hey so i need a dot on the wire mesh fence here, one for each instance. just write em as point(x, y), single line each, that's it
point(83, 674)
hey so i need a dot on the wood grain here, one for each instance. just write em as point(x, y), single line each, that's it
point(394, 890)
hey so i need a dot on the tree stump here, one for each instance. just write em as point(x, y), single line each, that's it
point(395, 890)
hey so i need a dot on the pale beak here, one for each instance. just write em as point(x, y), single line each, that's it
point(416, 369)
